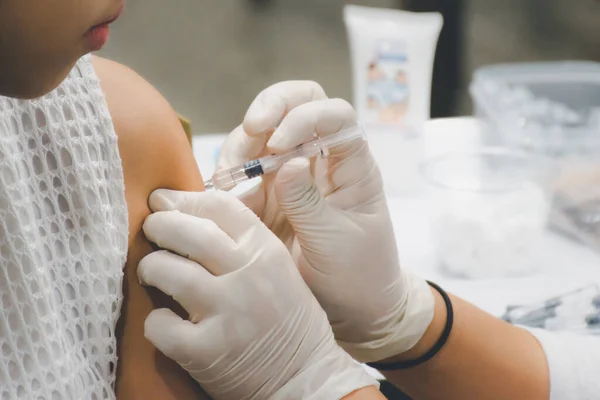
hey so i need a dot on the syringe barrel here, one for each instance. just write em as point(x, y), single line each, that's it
point(229, 178)
point(343, 136)
point(313, 148)
point(272, 163)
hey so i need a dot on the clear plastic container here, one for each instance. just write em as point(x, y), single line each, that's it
point(550, 107)
point(488, 211)
point(553, 109)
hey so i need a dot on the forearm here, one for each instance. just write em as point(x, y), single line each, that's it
point(366, 393)
point(483, 358)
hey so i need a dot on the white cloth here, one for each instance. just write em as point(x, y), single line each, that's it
point(574, 363)
point(63, 243)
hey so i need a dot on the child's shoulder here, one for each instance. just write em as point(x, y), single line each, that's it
point(155, 154)
point(151, 137)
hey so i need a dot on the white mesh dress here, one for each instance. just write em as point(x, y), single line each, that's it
point(63, 243)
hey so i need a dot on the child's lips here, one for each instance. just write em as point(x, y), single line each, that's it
point(97, 36)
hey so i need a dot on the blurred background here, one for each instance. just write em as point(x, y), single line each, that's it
point(210, 57)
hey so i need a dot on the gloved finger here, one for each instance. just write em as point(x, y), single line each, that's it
point(248, 141)
point(240, 148)
point(187, 282)
point(228, 212)
point(272, 104)
point(190, 345)
point(172, 335)
point(353, 181)
point(198, 239)
point(323, 117)
point(299, 198)
point(254, 198)
point(347, 164)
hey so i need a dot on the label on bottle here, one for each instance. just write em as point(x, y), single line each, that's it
point(388, 93)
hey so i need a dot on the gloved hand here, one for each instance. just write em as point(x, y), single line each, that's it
point(248, 141)
point(255, 330)
point(335, 221)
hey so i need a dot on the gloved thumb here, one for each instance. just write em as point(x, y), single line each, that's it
point(297, 195)
point(170, 334)
point(167, 200)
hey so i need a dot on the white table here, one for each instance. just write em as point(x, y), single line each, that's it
point(566, 265)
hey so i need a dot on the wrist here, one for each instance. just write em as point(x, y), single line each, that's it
point(401, 327)
point(370, 392)
point(431, 335)
point(332, 375)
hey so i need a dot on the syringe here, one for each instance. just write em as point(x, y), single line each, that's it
point(229, 178)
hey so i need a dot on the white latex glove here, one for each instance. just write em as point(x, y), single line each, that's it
point(255, 330)
point(339, 228)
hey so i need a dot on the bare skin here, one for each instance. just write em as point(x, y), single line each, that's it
point(155, 154)
point(367, 393)
point(484, 358)
point(40, 41)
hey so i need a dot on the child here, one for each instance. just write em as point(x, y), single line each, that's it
point(83, 142)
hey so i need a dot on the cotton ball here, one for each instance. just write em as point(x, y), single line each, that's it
point(491, 234)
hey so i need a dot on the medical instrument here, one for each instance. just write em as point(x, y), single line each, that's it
point(577, 311)
point(229, 178)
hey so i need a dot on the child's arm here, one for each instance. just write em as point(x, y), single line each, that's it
point(155, 154)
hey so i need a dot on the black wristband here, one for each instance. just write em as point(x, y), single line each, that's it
point(434, 349)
